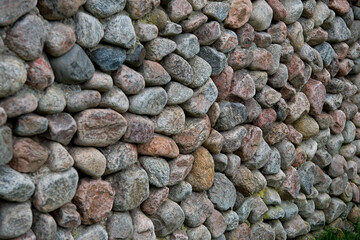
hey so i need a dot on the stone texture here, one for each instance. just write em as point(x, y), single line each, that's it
point(118, 30)
point(197, 208)
point(67, 216)
point(159, 146)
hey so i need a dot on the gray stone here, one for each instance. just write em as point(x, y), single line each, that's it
point(154, 74)
point(291, 210)
point(115, 99)
point(273, 164)
point(95, 231)
point(119, 225)
point(16, 219)
point(89, 161)
point(44, 226)
point(222, 193)
point(102, 9)
point(118, 30)
point(220, 162)
point(293, 8)
point(30, 124)
point(59, 159)
point(200, 232)
point(157, 170)
point(49, 193)
point(73, 67)
point(178, 68)
point(170, 121)
point(274, 212)
point(287, 153)
point(177, 93)
point(149, 101)
point(296, 227)
point(258, 211)
point(167, 218)
point(100, 81)
point(197, 208)
point(231, 115)
point(83, 100)
point(108, 58)
point(260, 157)
point(335, 209)
point(119, 156)
point(316, 220)
point(233, 139)
point(124, 183)
point(231, 219)
point(349, 132)
point(262, 231)
point(202, 71)
point(187, 45)
point(135, 56)
point(261, 16)
point(333, 101)
point(217, 60)
point(12, 11)
point(143, 226)
point(308, 209)
point(327, 53)
point(158, 48)
point(146, 32)
point(63, 234)
point(89, 30)
point(180, 191)
point(14, 186)
point(13, 75)
point(306, 172)
point(339, 32)
point(280, 233)
point(171, 29)
point(271, 197)
point(275, 180)
point(61, 128)
point(321, 13)
point(217, 10)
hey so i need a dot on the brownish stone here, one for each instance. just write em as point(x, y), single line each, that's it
point(301, 157)
point(67, 216)
point(242, 232)
point(140, 129)
point(223, 82)
point(156, 198)
point(290, 187)
point(317, 36)
point(214, 142)
point(40, 74)
point(279, 11)
point(61, 128)
point(277, 133)
point(239, 14)
point(341, 7)
point(159, 146)
point(315, 92)
point(18, 105)
point(180, 168)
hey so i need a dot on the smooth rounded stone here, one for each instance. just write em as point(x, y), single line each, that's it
point(13, 75)
point(321, 13)
point(124, 182)
point(334, 143)
point(201, 100)
point(170, 121)
point(63, 234)
point(223, 82)
point(28, 155)
point(348, 151)
point(146, 32)
point(337, 167)
point(99, 133)
point(263, 60)
point(310, 147)
point(239, 13)
point(156, 198)
point(114, 99)
point(140, 129)
point(118, 30)
point(267, 97)
point(60, 39)
point(89, 30)
point(307, 126)
point(149, 101)
point(231, 219)
point(83, 100)
point(119, 156)
point(103, 9)
point(167, 218)
point(273, 164)
point(290, 208)
point(229, 163)
point(274, 212)
point(197, 208)
point(242, 86)
point(16, 219)
point(88, 160)
point(333, 101)
point(217, 10)
point(317, 220)
point(100, 81)
point(187, 45)
point(49, 194)
point(233, 139)
point(335, 209)
point(260, 158)
point(26, 38)
point(316, 95)
point(295, 34)
point(13, 10)
point(349, 132)
point(279, 79)
point(40, 74)
point(327, 53)
point(159, 146)
point(338, 32)
point(222, 193)
point(15, 187)
point(95, 231)
point(119, 225)
point(194, 134)
point(59, 159)
point(19, 105)
point(253, 109)
point(108, 58)
point(201, 176)
point(231, 115)
point(61, 128)
point(261, 15)
point(307, 176)
point(158, 48)
point(90, 195)
point(296, 227)
point(130, 81)
point(208, 33)
point(180, 192)
point(216, 224)
point(338, 121)
point(135, 56)
point(143, 226)
point(178, 68)
point(73, 67)
point(262, 39)
point(202, 71)
point(277, 133)
point(157, 170)
point(293, 9)
point(154, 74)
point(177, 93)
point(262, 231)
point(200, 232)
point(216, 59)
point(44, 225)
point(246, 35)
point(178, 10)
point(53, 101)
point(227, 41)
point(180, 168)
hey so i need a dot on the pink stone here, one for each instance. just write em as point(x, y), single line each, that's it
point(341, 50)
point(40, 74)
point(278, 32)
point(28, 155)
point(223, 82)
point(130, 81)
point(356, 119)
point(262, 39)
point(159, 146)
point(290, 187)
point(214, 143)
point(179, 10)
point(266, 118)
point(277, 133)
point(338, 121)
point(59, 40)
point(250, 143)
point(278, 8)
point(262, 60)
point(193, 22)
point(216, 224)
point(140, 129)
point(239, 14)
point(246, 35)
point(341, 7)
point(227, 41)
point(242, 86)
point(294, 136)
point(322, 76)
point(19, 104)
point(315, 92)
point(94, 199)
point(157, 197)
point(180, 168)
point(324, 120)
point(61, 128)
point(296, 71)
point(240, 58)
point(345, 66)
point(317, 36)
point(208, 33)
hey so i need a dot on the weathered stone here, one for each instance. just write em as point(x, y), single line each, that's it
point(140, 129)
point(202, 71)
point(178, 68)
point(44, 225)
point(130, 81)
point(177, 93)
point(260, 157)
point(277, 133)
point(143, 226)
point(40, 74)
point(157, 170)
point(290, 186)
point(119, 225)
point(107, 57)
point(135, 56)
point(335, 209)
point(60, 39)
point(118, 30)
point(100, 81)
point(115, 99)
point(12, 11)
point(93, 231)
point(197, 208)
point(223, 193)
point(216, 59)
point(154, 74)
point(180, 191)
point(227, 41)
point(178, 10)
point(262, 231)
point(159, 146)
point(158, 48)
point(146, 32)
point(102, 9)
point(180, 168)
point(338, 121)
point(231, 114)
point(267, 97)
point(19, 105)
point(67, 216)
point(261, 15)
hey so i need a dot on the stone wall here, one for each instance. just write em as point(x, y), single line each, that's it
point(178, 119)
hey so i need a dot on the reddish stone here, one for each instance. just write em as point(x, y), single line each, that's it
point(216, 224)
point(140, 129)
point(296, 71)
point(279, 11)
point(301, 157)
point(193, 22)
point(253, 109)
point(345, 66)
point(59, 39)
point(338, 121)
point(324, 120)
point(242, 86)
point(61, 128)
point(227, 41)
point(246, 35)
point(322, 76)
point(67, 216)
point(40, 74)
point(159, 146)
point(315, 92)
point(214, 143)
point(180, 168)
point(240, 58)
point(59, 9)
point(178, 10)
point(262, 60)
point(250, 143)
point(294, 136)
point(154, 74)
point(298, 105)
point(28, 155)
point(262, 39)
point(278, 32)
point(156, 198)
point(317, 36)
point(290, 187)
point(266, 118)
point(356, 119)
point(287, 92)
point(239, 14)
point(341, 50)
point(341, 7)
point(19, 105)
point(208, 33)
point(242, 232)
point(130, 81)
point(94, 199)
point(277, 133)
